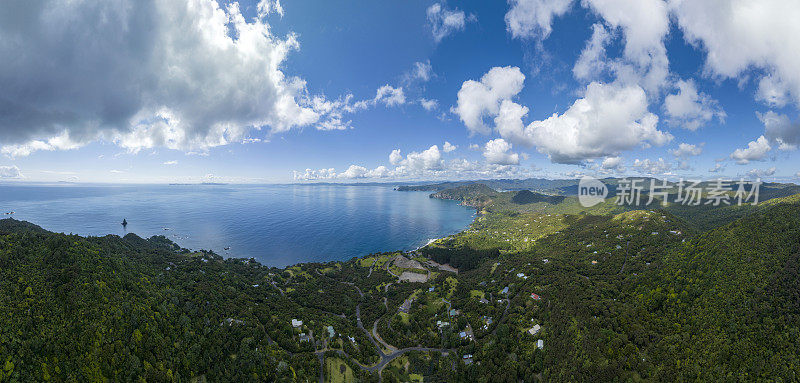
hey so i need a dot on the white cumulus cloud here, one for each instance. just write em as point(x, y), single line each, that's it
point(687, 150)
point(428, 104)
point(755, 151)
point(390, 96)
point(478, 99)
point(738, 35)
point(612, 163)
point(422, 71)
point(610, 118)
point(444, 22)
point(645, 24)
point(534, 18)
point(498, 151)
point(652, 167)
point(761, 173)
point(10, 172)
point(592, 61)
point(778, 128)
point(690, 109)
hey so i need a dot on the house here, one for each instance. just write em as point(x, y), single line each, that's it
point(462, 334)
point(454, 312)
point(545, 260)
point(430, 290)
point(504, 291)
point(522, 275)
point(231, 321)
point(352, 339)
point(483, 300)
point(467, 358)
point(594, 262)
point(441, 324)
point(540, 344)
point(331, 333)
point(296, 323)
point(535, 297)
point(304, 337)
point(535, 329)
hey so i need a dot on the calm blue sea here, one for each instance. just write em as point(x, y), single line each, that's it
point(276, 224)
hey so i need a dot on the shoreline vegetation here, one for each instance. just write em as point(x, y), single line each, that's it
point(537, 288)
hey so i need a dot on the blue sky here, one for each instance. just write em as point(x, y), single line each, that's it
point(306, 91)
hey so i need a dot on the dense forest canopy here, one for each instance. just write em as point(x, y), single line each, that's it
point(536, 288)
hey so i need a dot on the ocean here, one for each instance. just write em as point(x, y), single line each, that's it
point(278, 225)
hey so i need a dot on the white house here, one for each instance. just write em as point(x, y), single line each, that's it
point(296, 323)
point(540, 344)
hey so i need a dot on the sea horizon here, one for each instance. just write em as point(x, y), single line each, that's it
point(278, 225)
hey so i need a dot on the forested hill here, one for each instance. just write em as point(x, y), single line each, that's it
point(121, 309)
point(727, 304)
point(540, 184)
point(702, 217)
point(637, 295)
point(476, 195)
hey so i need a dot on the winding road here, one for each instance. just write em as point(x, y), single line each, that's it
point(385, 358)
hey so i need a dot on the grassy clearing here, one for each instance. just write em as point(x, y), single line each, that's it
point(337, 371)
point(453, 283)
point(405, 318)
point(367, 262)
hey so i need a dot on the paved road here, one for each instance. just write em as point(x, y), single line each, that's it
point(388, 358)
point(321, 357)
point(503, 318)
point(378, 337)
point(385, 358)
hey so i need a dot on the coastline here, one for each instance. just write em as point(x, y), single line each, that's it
point(278, 226)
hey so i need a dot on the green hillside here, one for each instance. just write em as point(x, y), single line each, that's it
point(639, 295)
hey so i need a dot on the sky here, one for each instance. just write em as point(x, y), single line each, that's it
point(269, 91)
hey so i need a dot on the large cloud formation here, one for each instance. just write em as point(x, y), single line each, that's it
point(608, 119)
point(179, 74)
point(742, 40)
point(478, 99)
point(739, 35)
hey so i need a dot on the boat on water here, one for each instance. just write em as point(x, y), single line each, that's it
point(124, 222)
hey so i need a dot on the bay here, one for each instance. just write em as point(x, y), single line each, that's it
point(278, 225)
